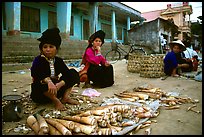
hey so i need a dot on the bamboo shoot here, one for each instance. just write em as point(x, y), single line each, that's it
point(53, 130)
point(59, 126)
point(33, 124)
point(90, 120)
point(42, 123)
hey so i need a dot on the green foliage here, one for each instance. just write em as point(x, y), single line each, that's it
point(196, 28)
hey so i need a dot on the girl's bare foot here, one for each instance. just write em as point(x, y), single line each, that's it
point(70, 101)
point(60, 106)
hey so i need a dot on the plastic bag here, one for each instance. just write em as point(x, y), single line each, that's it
point(91, 92)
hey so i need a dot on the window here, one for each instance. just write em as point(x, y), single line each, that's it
point(86, 29)
point(30, 19)
point(72, 26)
point(119, 33)
point(107, 29)
point(52, 19)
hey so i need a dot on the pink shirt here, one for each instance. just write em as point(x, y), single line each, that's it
point(93, 57)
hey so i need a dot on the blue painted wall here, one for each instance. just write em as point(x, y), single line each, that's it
point(77, 15)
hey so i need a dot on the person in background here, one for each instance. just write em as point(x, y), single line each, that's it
point(189, 52)
point(191, 55)
point(198, 51)
point(99, 70)
point(52, 79)
point(163, 43)
point(174, 62)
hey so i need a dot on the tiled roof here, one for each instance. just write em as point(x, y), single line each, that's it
point(151, 15)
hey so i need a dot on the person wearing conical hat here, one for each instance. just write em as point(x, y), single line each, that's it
point(52, 79)
point(99, 70)
point(174, 61)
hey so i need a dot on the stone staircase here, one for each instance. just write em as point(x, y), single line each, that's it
point(23, 50)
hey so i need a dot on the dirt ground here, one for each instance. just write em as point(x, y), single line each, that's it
point(169, 122)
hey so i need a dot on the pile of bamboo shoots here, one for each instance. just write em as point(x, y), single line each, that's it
point(115, 119)
point(142, 94)
point(104, 120)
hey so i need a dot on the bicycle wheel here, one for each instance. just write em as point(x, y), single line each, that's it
point(112, 56)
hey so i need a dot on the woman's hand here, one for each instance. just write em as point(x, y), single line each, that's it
point(52, 88)
point(107, 64)
point(60, 84)
point(98, 49)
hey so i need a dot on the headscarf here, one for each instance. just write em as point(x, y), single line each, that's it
point(99, 34)
point(50, 36)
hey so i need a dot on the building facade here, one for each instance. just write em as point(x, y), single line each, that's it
point(76, 20)
point(178, 14)
point(148, 35)
point(23, 23)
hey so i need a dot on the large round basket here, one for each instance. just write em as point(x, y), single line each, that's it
point(134, 61)
point(152, 66)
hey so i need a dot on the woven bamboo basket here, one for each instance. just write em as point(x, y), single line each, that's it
point(134, 61)
point(152, 66)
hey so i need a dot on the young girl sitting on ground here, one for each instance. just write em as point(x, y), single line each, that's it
point(99, 70)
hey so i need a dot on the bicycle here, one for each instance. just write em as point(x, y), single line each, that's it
point(115, 53)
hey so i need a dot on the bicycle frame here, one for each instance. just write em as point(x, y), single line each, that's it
point(121, 50)
point(115, 53)
point(134, 49)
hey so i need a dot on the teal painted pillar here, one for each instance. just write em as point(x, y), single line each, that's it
point(13, 15)
point(64, 18)
point(43, 20)
point(113, 27)
point(128, 26)
point(93, 12)
point(128, 23)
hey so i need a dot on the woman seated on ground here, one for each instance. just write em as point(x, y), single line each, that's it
point(100, 71)
point(52, 79)
point(175, 62)
point(191, 54)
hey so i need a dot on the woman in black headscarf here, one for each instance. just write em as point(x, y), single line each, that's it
point(52, 79)
point(100, 71)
